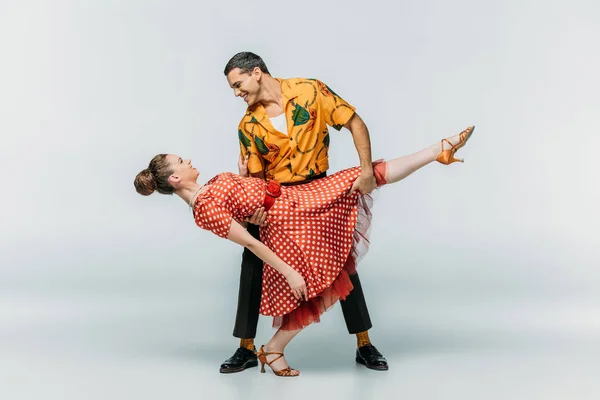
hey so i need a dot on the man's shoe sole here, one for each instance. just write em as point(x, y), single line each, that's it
point(249, 364)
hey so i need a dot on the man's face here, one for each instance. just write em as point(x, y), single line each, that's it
point(245, 85)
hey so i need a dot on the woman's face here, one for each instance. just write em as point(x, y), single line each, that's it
point(183, 171)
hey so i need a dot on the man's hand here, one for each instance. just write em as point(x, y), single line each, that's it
point(243, 165)
point(258, 218)
point(365, 183)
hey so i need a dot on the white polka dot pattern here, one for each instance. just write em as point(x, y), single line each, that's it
point(229, 196)
point(310, 227)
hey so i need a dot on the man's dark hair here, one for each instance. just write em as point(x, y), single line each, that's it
point(246, 62)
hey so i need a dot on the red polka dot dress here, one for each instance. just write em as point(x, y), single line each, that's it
point(316, 228)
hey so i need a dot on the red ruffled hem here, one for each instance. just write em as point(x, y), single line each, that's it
point(310, 311)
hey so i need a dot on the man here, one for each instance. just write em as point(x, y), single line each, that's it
point(284, 137)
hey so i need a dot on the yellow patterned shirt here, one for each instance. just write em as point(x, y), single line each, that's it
point(309, 106)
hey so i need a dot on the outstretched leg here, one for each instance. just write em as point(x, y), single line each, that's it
point(401, 167)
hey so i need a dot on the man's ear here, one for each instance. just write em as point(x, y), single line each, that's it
point(257, 73)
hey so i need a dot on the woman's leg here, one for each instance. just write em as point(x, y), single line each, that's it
point(277, 344)
point(401, 167)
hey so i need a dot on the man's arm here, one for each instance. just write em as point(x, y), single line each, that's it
point(251, 160)
point(366, 182)
point(249, 152)
point(362, 142)
point(260, 174)
point(339, 113)
point(260, 215)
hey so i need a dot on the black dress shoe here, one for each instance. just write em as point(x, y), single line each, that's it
point(239, 361)
point(368, 356)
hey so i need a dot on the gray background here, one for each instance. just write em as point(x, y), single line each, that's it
point(482, 279)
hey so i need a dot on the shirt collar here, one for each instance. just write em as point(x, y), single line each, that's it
point(288, 92)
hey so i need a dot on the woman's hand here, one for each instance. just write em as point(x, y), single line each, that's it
point(243, 165)
point(297, 284)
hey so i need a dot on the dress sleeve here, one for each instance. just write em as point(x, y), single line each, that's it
point(213, 217)
point(335, 109)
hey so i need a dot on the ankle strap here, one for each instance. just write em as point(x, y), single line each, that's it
point(269, 353)
point(279, 355)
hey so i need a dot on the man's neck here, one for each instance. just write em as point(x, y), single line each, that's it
point(271, 96)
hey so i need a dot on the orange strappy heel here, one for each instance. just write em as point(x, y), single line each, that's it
point(262, 357)
point(446, 157)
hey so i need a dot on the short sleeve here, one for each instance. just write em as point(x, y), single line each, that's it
point(214, 218)
point(247, 145)
point(335, 109)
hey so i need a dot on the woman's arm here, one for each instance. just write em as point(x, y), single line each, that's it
point(239, 235)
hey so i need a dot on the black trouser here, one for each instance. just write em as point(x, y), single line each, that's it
point(354, 307)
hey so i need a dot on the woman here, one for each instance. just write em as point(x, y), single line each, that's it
point(313, 237)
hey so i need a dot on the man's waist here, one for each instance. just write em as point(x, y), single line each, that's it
point(300, 173)
point(273, 189)
point(307, 180)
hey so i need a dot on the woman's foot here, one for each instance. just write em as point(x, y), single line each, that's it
point(276, 361)
point(449, 146)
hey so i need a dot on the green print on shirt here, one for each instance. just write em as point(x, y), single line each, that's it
point(300, 116)
point(243, 139)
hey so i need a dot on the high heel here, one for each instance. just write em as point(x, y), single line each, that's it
point(262, 357)
point(446, 157)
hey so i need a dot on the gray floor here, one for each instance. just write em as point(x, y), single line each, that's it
point(165, 342)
